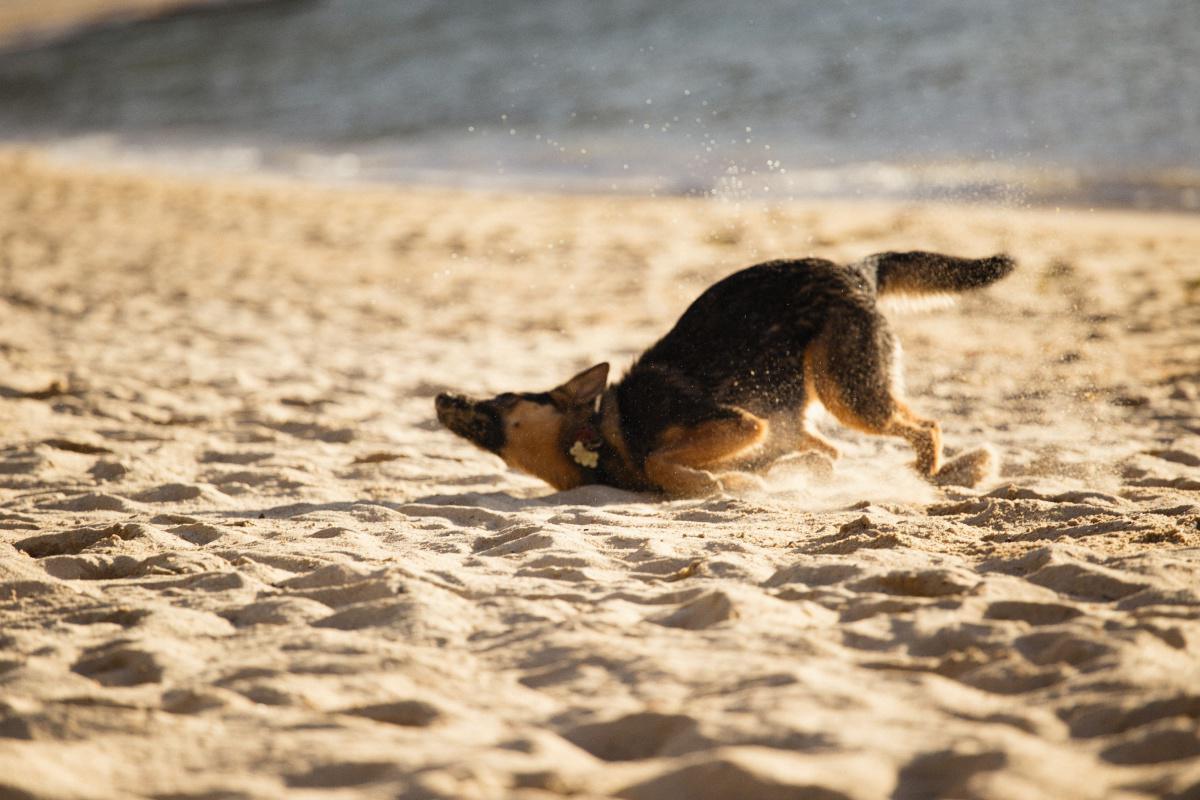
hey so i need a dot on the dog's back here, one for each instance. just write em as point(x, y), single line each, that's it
point(748, 340)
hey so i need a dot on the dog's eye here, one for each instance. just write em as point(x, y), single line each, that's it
point(516, 425)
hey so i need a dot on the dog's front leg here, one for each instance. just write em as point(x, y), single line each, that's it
point(678, 465)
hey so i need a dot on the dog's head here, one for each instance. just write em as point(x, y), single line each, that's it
point(531, 431)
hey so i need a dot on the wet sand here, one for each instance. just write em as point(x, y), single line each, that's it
point(23, 22)
point(239, 558)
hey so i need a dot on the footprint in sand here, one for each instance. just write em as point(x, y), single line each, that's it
point(71, 446)
point(90, 567)
point(1013, 492)
point(945, 773)
point(197, 701)
point(242, 457)
point(1007, 676)
point(177, 493)
point(245, 480)
point(92, 501)
point(555, 573)
point(811, 574)
point(1031, 612)
point(331, 533)
point(313, 430)
point(557, 561)
point(1058, 647)
point(351, 593)
point(277, 611)
point(766, 773)
point(711, 608)
point(197, 533)
point(105, 615)
point(344, 774)
point(466, 516)
point(1088, 581)
point(120, 664)
point(860, 534)
point(403, 615)
point(21, 462)
point(652, 568)
point(405, 713)
point(514, 539)
point(188, 562)
point(328, 575)
point(631, 737)
point(17, 522)
point(108, 471)
point(1092, 719)
point(75, 541)
point(1168, 740)
point(1184, 457)
point(1056, 567)
point(917, 583)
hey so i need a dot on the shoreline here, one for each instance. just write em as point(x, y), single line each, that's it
point(29, 24)
point(964, 185)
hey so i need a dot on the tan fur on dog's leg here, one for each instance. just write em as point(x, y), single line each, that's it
point(925, 436)
point(809, 440)
point(851, 368)
point(678, 466)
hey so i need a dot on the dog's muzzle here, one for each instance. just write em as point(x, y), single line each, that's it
point(476, 421)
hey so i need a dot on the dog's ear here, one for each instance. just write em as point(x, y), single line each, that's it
point(583, 389)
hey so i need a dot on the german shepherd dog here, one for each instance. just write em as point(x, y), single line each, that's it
point(728, 387)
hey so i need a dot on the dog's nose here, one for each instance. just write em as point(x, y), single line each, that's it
point(451, 405)
point(474, 420)
point(449, 401)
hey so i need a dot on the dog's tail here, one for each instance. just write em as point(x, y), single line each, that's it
point(920, 274)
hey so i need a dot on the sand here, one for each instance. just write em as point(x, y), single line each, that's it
point(239, 559)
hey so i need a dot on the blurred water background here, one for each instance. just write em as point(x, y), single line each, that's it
point(1082, 102)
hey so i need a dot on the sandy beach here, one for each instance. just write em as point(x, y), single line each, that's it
point(240, 559)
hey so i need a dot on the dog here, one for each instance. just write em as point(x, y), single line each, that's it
point(726, 391)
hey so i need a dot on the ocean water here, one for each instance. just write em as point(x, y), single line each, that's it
point(1092, 102)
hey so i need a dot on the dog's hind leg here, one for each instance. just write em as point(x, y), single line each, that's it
point(809, 440)
point(679, 464)
point(851, 366)
point(790, 436)
point(925, 436)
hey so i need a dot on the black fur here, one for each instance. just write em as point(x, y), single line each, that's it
point(925, 273)
point(481, 423)
point(744, 358)
point(743, 341)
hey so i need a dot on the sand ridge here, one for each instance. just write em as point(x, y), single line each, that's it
point(238, 558)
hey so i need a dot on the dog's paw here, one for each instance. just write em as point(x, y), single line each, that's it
point(739, 483)
point(811, 465)
point(968, 469)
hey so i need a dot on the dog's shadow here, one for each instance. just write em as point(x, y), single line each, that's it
point(594, 495)
point(494, 501)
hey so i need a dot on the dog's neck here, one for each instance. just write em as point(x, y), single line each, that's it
point(597, 445)
point(608, 421)
point(585, 440)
